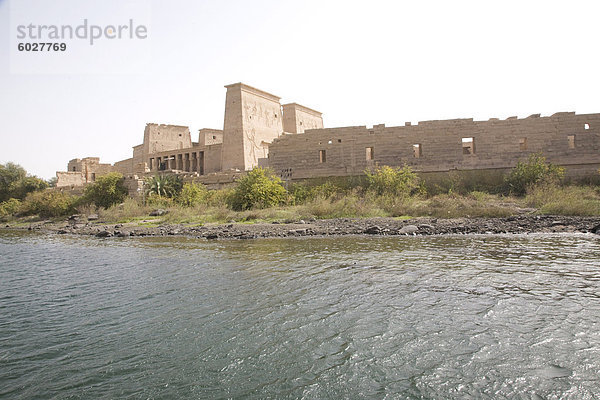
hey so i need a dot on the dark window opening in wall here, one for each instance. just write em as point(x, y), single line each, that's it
point(300, 123)
point(151, 163)
point(74, 169)
point(275, 115)
point(214, 137)
point(369, 153)
point(322, 156)
point(93, 177)
point(468, 145)
point(571, 139)
point(586, 126)
point(417, 150)
point(180, 134)
point(523, 144)
point(339, 140)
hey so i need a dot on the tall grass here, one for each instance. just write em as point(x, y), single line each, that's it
point(464, 182)
point(129, 210)
point(565, 200)
point(351, 205)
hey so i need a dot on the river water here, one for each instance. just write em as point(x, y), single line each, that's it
point(316, 318)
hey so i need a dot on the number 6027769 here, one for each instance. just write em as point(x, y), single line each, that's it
point(42, 46)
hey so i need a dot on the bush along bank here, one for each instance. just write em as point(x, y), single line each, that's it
point(532, 187)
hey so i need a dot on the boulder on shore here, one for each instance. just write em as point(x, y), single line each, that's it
point(159, 212)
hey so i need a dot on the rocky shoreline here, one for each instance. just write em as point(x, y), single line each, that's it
point(80, 225)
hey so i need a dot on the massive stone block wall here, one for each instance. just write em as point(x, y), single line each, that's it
point(565, 138)
point(212, 158)
point(253, 120)
point(297, 118)
point(138, 156)
point(124, 167)
point(207, 136)
point(162, 137)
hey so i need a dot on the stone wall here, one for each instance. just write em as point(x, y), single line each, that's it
point(90, 167)
point(297, 118)
point(69, 179)
point(139, 155)
point(564, 138)
point(134, 185)
point(163, 137)
point(207, 136)
point(253, 119)
point(125, 167)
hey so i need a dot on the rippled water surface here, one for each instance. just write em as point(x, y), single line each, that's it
point(353, 317)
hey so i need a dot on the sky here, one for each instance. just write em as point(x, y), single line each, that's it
point(358, 62)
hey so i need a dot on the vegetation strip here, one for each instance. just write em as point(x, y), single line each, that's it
point(528, 192)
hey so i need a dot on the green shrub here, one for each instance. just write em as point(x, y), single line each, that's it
point(28, 185)
point(299, 193)
point(218, 198)
point(535, 171)
point(260, 188)
point(106, 191)
point(395, 181)
point(16, 183)
point(345, 184)
point(9, 207)
point(164, 185)
point(464, 181)
point(10, 175)
point(325, 190)
point(155, 200)
point(52, 182)
point(49, 203)
point(192, 194)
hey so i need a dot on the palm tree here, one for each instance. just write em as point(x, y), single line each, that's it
point(164, 185)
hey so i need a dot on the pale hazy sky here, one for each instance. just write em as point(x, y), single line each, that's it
point(360, 63)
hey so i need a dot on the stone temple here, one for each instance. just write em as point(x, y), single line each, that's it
point(290, 138)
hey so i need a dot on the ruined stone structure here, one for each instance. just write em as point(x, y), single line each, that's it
point(564, 138)
point(297, 118)
point(82, 171)
point(259, 131)
point(253, 119)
